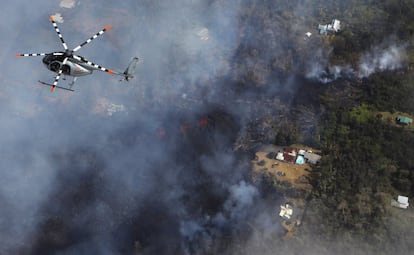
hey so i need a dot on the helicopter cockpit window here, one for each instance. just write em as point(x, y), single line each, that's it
point(54, 66)
point(50, 58)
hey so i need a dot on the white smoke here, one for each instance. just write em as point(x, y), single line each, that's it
point(67, 4)
point(190, 228)
point(241, 197)
point(328, 74)
point(378, 60)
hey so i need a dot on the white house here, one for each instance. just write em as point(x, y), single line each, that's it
point(334, 27)
point(279, 156)
point(286, 211)
point(312, 158)
point(402, 202)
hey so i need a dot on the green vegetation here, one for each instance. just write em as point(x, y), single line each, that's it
point(286, 135)
point(391, 92)
point(366, 159)
point(368, 23)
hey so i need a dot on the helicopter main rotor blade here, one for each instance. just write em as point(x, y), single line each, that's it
point(58, 32)
point(30, 54)
point(93, 37)
point(38, 54)
point(55, 83)
point(98, 67)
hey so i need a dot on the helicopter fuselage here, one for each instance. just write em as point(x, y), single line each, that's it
point(68, 63)
point(73, 67)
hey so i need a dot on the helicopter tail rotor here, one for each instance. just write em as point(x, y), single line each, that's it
point(130, 70)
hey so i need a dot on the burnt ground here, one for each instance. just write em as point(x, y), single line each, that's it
point(150, 223)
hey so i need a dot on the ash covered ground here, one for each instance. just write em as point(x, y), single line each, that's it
point(169, 174)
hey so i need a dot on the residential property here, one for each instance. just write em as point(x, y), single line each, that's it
point(290, 154)
point(403, 120)
point(333, 27)
point(402, 202)
point(286, 211)
point(300, 157)
point(279, 156)
point(312, 158)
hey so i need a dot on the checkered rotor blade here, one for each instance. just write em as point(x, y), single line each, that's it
point(38, 54)
point(97, 67)
point(58, 32)
point(30, 54)
point(55, 83)
point(90, 39)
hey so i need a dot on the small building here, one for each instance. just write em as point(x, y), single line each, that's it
point(402, 202)
point(286, 211)
point(279, 156)
point(290, 155)
point(334, 27)
point(403, 120)
point(300, 160)
point(312, 158)
point(271, 155)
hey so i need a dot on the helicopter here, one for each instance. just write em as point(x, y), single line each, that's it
point(69, 64)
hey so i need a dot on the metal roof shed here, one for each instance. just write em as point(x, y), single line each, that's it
point(312, 158)
point(404, 120)
point(403, 201)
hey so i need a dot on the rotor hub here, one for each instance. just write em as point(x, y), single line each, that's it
point(68, 53)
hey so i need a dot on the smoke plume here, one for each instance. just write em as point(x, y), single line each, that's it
point(378, 59)
point(150, 166)
point(381, 59)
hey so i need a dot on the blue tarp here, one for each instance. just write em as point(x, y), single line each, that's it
point(300, 160)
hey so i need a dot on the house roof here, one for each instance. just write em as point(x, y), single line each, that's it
point(312, 157)
point(336, 25)
point(403, 200)
point(288, 157)
point(279, 156)
point(300, 160)
point(290, 150)
point(286, 211)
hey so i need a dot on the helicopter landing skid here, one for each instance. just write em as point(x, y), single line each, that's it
point(51, 85)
